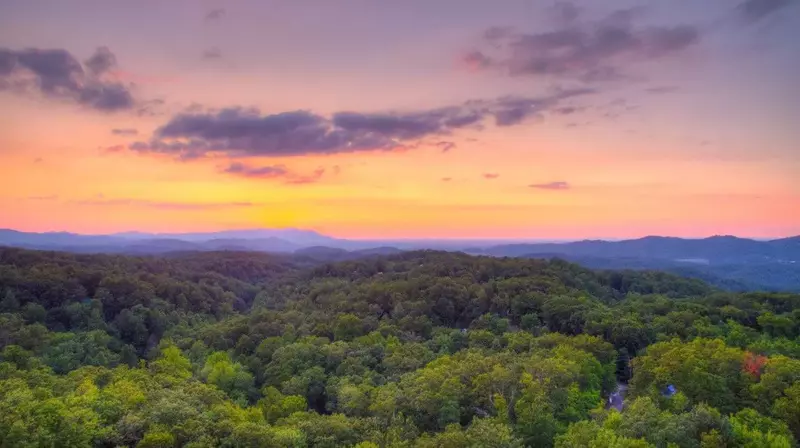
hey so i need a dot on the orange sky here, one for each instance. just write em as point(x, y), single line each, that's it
point(717, 154)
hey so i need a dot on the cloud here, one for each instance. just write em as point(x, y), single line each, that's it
point(240, 132)
point(491, 176)
point(557, 185)
point(445, 146)
point(585, 50)
point(215, 14)
point(261, 172)
point(475, 60)
point(163, 205)
point(101, 61)
point(308, 179)
point(113, 148)
point(212, 53)
point(510, 111)
point(276, 172)
point(125, 131)
point(447, 179)
point(57, 74)
point(755, 10)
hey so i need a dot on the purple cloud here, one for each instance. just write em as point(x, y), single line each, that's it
point(558, 185)
point(215, 14)
point(240, 132)
point(755, 10)
point(212, 53)
point(57, 74)
point(261, 172)
point(445, 146)
point(276, 172)
point(658, 90)
point(101, 61)
point(585, 50)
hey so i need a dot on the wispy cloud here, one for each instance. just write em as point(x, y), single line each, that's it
point(557, 185)
point(755, 10)
point(279, 172)
point(163, 205)
point(51, 197)
point(212, 53)
point(258, 172)
point(125, 131)
point(215, 15)
point(445, 146)
point(490, 176)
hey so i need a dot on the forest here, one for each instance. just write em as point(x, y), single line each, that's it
point(417, 349)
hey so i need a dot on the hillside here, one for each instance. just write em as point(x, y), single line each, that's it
point(727, 262)
point(415, 349)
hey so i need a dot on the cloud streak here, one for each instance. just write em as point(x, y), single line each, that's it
point(239, 132)
point(279, 172)
point(125, 131)
point(215, 15)
point(57, 74)
point(585, 50)
point(212, 53)
point(164, 205)
point(557, 185)
point(261, 172)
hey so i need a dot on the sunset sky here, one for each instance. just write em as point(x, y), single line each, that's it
point(402, 119)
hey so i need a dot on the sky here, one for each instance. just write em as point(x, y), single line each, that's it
point(537, 119)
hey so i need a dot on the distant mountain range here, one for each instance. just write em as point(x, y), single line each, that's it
point(726, 261)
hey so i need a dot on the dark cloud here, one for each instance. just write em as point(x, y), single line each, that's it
point(755, 10)
point(101, 61)
point(586, 50)
point(260, 172)
point(491, 176)
point(558, 185)
point(240, 132)
point(215, 14)
point(125, 131)
point(212, 53)
point(57, 74)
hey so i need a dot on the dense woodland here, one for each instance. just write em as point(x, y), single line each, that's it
point(420, 349)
